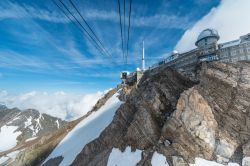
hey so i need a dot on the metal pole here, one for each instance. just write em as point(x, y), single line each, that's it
point(143, 60)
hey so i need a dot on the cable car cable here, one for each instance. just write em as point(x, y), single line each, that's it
point(119, 9)
point(128, 27)
point(88, 34)
point(89, 27)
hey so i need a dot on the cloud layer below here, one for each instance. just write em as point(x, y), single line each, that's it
point(230, 18)
point(60, 104)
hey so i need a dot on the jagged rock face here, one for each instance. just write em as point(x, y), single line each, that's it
point(209, 120)
point(154, 100)
point(7, 114)
point(228, 93)
point(181, 119)
point(214, 115)
point(191, 126)
point(138, 122)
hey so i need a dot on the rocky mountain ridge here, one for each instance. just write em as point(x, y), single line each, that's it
point(18, 129)
point(30, 122)
point(181, 119)
point(167, 118)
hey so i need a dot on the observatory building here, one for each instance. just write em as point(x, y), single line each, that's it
point(208, 49)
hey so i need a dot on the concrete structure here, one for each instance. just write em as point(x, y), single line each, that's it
point(236, 50)
point(124, 76)
point(134, 77)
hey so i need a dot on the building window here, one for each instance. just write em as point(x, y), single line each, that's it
point(248, 50)
point(233, 52)
point(241, 51)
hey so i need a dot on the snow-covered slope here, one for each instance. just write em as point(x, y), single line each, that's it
point(87, 130)
point(4, 160)
point(159, 160)
point(8, 137)
point(126, 158)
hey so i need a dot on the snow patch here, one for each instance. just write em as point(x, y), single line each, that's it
point(35, 129)
point(246, 161)
point(8, 137)
point(28, 122)
point(126, 158)
point(159, 160)
point(30, 139)
point(9, 156)
point(3, 159)
point(57, 123)
point(38, 120)
point(87, 130)
point(16, 118)
point(203, 162)
point(38, 126)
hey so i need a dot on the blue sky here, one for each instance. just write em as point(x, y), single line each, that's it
point(40, 49)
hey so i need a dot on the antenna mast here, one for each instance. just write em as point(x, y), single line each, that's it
point(143, 60)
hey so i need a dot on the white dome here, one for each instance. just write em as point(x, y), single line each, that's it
point(138, 69)
point(174, 52)
point(208, 33)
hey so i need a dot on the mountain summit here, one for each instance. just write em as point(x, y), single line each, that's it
point(21, 128)
point(165, 119)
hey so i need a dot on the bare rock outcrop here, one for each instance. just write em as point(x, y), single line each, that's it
point(191, 128)
point(226, 87)
point(212, 118)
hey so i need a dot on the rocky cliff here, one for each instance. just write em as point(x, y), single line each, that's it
point(166, 119)
point(171, 115)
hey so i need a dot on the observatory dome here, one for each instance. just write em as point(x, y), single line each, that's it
point(208, 34)
point(175, 52)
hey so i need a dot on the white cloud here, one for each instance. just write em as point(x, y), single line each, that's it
point(230, 18)
point(15, 11)
point(162, 21)
point(11, 59)
point(60, 104)
point(11, 10)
